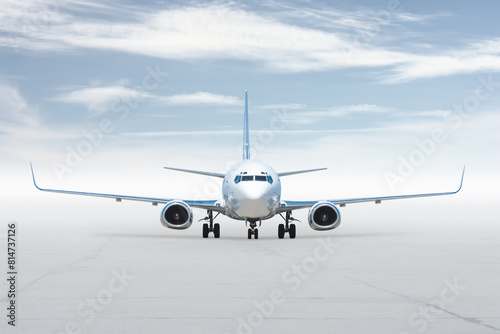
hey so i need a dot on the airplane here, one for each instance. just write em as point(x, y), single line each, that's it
point(251, 192)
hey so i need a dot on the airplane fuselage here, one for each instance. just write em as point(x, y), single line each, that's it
point(251, 191)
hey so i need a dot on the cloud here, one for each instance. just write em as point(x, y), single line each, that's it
point(11, 100)
point(286, 106)
point(183, 133)
point(285, 39)
point(476, 57)
point(423, 113)
point(201, 98)
point(15, 109)
point(101, 99)
point(358, 20)
point(21, 127)
point(353, 109)
point(239, 132)
point(310, 115)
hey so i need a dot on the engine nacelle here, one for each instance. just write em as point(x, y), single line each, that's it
point(177, 215)
point(324, 216)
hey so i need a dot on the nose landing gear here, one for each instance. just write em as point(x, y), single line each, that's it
point(287, 228)
point(215, 228)
point(253, 230)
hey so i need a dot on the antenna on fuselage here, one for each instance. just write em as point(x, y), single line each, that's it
point(246, 133)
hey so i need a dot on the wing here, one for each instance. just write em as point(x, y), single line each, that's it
point(296, 205)
point(207, 204)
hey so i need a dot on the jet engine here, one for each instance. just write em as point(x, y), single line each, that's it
point(324, 216)
point(177, 215)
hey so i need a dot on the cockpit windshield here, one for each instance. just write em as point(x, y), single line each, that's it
point(244, 177)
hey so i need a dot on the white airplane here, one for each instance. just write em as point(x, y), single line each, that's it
point(251, 191)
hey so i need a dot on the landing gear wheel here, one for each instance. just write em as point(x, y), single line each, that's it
point(281, 231)
point(249, 234)
point(256, 234)
point(287, 228)
point(205, 230)
point(216, 230)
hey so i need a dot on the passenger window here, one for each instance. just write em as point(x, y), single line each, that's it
point(260, 178)
point(237, 179)
point(247, 178)
point(269, 179)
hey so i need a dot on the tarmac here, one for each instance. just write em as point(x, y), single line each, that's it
point(364, 277)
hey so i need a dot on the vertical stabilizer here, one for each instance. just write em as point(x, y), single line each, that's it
point(246, 134)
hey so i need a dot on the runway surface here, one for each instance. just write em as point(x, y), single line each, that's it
point(360, 278)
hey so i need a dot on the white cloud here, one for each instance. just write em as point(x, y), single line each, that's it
point(183, 133)
point(14, 108)
point(230, 31)
point(11, 100)
point(252, 132)
point(354, 109)
point(284, 40)
point(101, 99)
point(201, 98)
point(310, 116)
point(454, 62)
point(359, 20)
point(284, 106)
point(424, 113)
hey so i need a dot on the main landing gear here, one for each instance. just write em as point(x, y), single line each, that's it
point(253, 230)
point(287, 228)
point(211, 227)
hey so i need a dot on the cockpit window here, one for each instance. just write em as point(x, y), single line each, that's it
point(244, 177)
point(247, 178)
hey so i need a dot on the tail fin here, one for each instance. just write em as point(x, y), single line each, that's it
point(246, 134)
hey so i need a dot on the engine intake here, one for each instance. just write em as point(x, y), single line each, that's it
point(324, 216)
point(176, 215)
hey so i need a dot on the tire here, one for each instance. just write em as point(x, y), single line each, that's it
point(256, 235)
point(249, 234)
point(216, 230)
point(281, 231)
point(205, 230)
point(292, 231)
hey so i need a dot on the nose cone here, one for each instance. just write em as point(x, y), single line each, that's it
point(255, 191)
point(257, 201)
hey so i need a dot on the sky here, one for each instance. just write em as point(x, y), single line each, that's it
point(391, 96)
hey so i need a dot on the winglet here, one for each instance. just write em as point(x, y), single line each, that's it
point(33, 175)
point(461, 181)
point(246, 134)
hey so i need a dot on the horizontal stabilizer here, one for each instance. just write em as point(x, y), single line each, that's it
point(197, 172)
point(300, 171)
